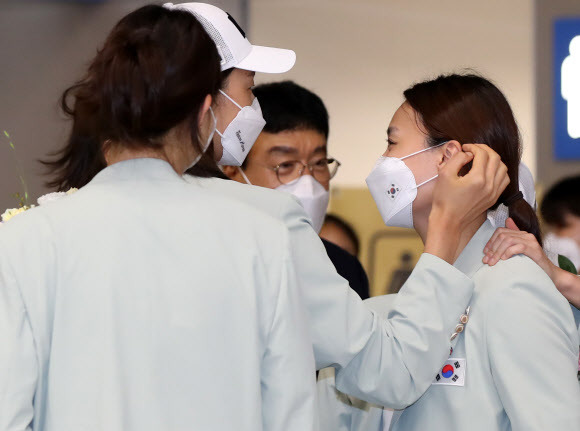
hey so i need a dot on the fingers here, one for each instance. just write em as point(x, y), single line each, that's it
point(512, 251)
point(480, 158)
point(488, 166)
point(500, 234)
point(504, 241)
point(501, 179)
point(511, 224)
point(488, 247)
point(456, 162)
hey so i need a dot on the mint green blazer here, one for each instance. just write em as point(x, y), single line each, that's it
point(143, 303)
point(387, 361)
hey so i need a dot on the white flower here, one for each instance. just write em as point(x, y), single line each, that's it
point(9, 213)
point(50, 197)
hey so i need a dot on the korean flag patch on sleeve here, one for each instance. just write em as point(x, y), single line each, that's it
point(452, 373)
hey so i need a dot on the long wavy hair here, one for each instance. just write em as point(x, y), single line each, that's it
point(153, 73)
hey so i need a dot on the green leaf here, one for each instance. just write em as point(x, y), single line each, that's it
point(6, 133)
point(566, 264)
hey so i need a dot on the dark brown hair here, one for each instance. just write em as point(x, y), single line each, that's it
point(561, 200)
point(470, 109)
point(153, 73)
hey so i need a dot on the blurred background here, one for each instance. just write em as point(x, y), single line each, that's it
point(357, 55)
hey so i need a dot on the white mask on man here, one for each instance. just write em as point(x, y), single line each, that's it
point(312, 196)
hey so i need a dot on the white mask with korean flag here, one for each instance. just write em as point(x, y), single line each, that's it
point(393, 187)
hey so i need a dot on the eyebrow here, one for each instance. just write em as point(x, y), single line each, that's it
point(320, 149)
point(391, 130)
point(291, 150)
point(283, 149)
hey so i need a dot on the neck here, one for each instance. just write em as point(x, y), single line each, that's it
point(171, 151)
point(422, 226)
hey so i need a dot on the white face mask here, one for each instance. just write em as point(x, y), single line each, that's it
point(313, 197)
point(241, 133)
point(311, 194)
point(207, 142)
point(393, 187)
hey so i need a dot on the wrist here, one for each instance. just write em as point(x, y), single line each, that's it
point(563, 279)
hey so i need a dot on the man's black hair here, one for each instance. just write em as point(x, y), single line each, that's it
point(346, 227)
point(287, 106)
point(563, 198)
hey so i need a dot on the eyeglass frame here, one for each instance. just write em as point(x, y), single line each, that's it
point(310, 168)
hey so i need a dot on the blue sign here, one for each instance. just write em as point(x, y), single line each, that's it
point(566, 92)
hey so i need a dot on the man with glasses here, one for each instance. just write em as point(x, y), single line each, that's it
point(291, 155)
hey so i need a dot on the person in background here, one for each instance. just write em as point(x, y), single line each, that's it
point(338, 231)
point(291, 155)
point(119, 308)
point(560, 210)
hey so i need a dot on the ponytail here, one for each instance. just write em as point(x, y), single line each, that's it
point(523, 215)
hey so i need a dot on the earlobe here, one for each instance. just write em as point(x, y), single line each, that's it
point(231, 172)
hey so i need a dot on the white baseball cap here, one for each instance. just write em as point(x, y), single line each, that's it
point(233, 47)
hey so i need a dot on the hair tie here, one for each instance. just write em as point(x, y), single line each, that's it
point(513, 199)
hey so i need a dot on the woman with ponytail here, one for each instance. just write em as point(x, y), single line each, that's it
point(142, 302)
point(514, 359)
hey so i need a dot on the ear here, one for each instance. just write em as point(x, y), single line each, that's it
point(204, 108)
point(449, 150)
point(233, 173)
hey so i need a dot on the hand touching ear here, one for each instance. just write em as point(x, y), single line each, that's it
point(459, 200)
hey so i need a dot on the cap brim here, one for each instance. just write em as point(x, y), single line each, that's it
point(268, 60)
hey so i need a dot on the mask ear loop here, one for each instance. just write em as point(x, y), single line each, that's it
point(234, 102)
point(425, 182)
point(244, 175)
point(423, 150)
point(208, 142)
point(426, 149)
point(231, 100)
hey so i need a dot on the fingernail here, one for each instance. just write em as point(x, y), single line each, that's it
point(485, 250)
point(485, 259)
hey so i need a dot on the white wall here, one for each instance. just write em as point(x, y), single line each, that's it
point(360, 55)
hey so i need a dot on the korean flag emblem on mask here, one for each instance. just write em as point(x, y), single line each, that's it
point(393, 187)
point(393, 191)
